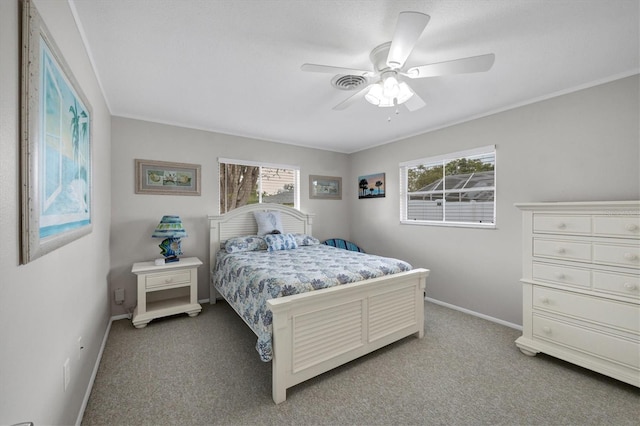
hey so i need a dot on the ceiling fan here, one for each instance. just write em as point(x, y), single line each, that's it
point(386, 87)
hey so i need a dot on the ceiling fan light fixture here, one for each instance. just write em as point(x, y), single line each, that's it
point(395, 94)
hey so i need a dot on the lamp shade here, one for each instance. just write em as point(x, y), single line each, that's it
point(169, 227)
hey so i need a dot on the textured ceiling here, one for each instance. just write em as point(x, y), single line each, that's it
point(233, 66)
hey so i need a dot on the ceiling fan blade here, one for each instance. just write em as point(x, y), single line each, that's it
point(335, 70)
point(457, 66)
point(415, 102)
point(408, 30)
point(352, 99)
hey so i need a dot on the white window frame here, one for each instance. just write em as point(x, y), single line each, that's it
point(471, 153)
point(296, 176)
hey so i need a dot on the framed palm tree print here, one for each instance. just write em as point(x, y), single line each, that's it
point(55, 149)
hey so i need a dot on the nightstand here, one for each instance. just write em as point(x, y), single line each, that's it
point(167, 289)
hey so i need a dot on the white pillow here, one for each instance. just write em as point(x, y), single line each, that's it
point(268, 222)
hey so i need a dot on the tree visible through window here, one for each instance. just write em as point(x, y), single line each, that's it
point(458, 188)
point(243, 183)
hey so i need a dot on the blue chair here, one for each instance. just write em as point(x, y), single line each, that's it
point(343, 244)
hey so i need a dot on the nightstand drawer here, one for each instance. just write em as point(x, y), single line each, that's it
point(168, 279)
point(562, 249)
point(618, 255)
point(561, 224)
point(621, 315)
point(617, 226)
point(620, 284)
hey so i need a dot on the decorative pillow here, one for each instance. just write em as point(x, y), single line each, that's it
point(306, 240)
point(246, 243)
point(280, 242)
point(268, 222)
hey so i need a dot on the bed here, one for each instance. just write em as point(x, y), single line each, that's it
point(313, 332)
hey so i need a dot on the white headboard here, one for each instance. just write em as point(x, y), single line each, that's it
point(240, 221)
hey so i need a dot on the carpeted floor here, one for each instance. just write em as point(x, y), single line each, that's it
point(465, 371)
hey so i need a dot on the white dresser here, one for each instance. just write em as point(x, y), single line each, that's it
point(581, 285)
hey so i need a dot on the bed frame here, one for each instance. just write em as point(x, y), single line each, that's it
point(317, 331)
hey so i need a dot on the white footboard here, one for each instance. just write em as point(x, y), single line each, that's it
point(318, 331)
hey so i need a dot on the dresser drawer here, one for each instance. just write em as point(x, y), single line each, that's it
point(617, 226)
point(620, 284)
point(562, 249)
point(168, 279)
point(562, 275)
point(587, 340)
point(625, 316)
point(618, 255)
point(561, 224)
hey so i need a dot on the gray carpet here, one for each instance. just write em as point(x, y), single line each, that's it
point(465, 371)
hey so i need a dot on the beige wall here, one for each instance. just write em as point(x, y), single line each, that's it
point(582, 146)
point(47, 304)
point(134, 216)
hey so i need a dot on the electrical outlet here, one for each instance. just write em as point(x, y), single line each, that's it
point(80, 347)
point(119, 296)
point(66, 373)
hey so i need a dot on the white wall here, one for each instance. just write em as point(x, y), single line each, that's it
point(134, 216)
point(581, 146)
point(47, 304)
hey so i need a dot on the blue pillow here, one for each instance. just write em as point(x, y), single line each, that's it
point(246, 243)
point(280, 242)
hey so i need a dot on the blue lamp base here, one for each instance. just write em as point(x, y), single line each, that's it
point(170, 249)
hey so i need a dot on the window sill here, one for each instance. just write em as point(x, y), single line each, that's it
point(449, 224)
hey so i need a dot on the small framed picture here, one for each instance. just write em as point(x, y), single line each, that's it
point(325, 187)
point(371, 186)
point(167, 178)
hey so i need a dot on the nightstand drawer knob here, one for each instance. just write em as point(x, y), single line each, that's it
point(560, 250)
point(630, 286)
point(561, 276)
point(632, 227)
point(544, 300)
point(168, 280)
point(562, 225)
point(547, 330)
point(630, 256)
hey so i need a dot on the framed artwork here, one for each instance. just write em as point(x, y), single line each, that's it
point(371, 186)
point(325, 187)
point(55, 145)
point(167, 178)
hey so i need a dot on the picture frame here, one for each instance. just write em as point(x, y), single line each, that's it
point(167, 178)
point(325, 187)
point(56, 193)
point(372, 186)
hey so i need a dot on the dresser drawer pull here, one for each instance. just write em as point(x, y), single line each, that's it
point(632, 227)
point(561, 250)
point(561, 276)
point(168, 280)
point(544, 300)
point(630, 256)
point(630, 286)
point(562, 225)
point(547, 330)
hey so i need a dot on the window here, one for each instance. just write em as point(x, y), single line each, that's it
point(247, 182)
point(456, 189)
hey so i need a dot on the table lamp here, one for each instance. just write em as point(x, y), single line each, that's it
point(170, 228)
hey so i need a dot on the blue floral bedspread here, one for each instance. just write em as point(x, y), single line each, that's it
point(248, 279)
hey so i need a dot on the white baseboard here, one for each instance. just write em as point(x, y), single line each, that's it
point(94, 373)
point(475, 314)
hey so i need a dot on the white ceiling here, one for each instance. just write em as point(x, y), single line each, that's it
point(233, 66)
